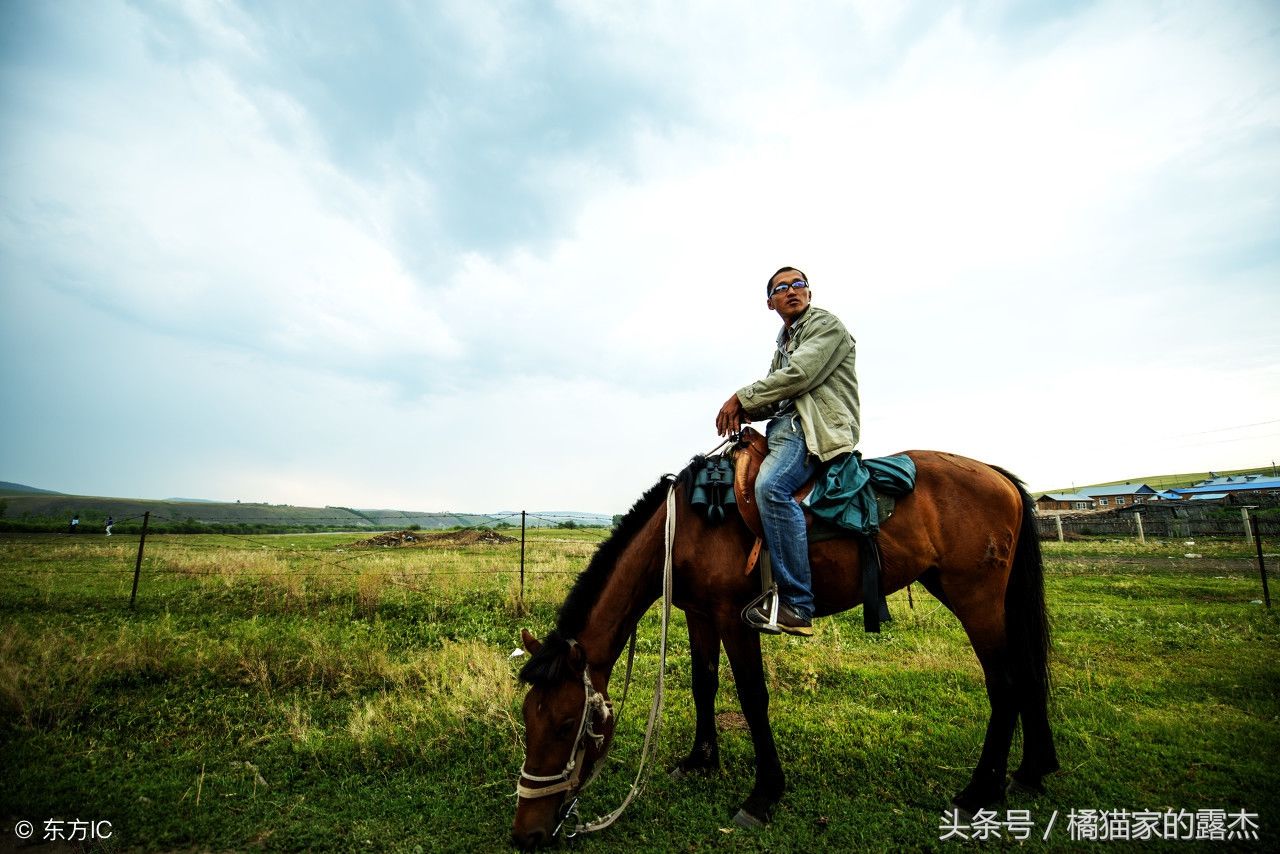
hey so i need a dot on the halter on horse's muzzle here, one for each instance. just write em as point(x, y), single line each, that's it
point(594, 704)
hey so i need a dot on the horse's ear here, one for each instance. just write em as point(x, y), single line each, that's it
point(577, 658)
point(531, 643)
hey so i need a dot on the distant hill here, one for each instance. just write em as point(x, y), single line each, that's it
point(28, 504)
point(7, 488)
point(92, 509)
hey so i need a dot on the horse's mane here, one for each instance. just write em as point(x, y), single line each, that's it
point(549, 665)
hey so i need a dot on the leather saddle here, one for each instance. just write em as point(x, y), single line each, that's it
point(747, 455)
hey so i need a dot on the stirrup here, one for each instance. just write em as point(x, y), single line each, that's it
point(770, 596)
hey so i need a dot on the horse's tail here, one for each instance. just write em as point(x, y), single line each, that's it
point(1028, 641)
point(1026, 620)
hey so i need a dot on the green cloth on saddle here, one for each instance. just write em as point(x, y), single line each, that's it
point(845, 494)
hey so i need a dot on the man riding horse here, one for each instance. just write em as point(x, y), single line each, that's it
point(811, 395)
point(966, 532)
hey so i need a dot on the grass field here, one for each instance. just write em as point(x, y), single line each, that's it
point(294, 692)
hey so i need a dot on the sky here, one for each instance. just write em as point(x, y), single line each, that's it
point(477, 257)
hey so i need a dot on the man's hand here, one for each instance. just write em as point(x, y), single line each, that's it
point(731, 416)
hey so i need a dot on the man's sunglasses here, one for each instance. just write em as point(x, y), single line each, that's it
point(786, 286)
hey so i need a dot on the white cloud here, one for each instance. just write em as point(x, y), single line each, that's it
point(1023, 227)
point(176, 203)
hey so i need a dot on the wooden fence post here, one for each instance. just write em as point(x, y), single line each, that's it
point(1137, 517)
point(1262, 567)
point(522, 515)
point(1244, 514)
point(137, 567)
point(1057, 517)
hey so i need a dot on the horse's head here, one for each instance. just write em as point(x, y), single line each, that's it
point(568, 727)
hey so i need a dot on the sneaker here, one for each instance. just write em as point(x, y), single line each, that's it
point(788, 621)
point(757, 618)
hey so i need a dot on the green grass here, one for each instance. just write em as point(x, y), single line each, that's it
point(294, 692)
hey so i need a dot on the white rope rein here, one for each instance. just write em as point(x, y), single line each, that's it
point(655, 711)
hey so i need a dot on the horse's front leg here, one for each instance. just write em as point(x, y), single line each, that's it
point(743, 648)
point(704, 649)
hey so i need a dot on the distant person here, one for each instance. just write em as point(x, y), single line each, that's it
point(110, 522)
point(75, 523)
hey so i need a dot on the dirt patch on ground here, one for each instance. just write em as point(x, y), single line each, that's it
point(726, 721)
point(469, 537)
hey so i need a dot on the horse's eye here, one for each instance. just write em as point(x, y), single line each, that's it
point(565, 730)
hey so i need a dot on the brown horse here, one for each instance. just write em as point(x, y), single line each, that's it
point(966, 533)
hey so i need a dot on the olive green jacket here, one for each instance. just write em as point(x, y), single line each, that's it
point(820, 378)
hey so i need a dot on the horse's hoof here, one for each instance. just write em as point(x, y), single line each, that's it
point(747, 821)
point(974, 798)
point(682, 771)
point(1021, 790)
point(1027, 784)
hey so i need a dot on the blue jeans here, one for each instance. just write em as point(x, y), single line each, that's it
point(784, 470)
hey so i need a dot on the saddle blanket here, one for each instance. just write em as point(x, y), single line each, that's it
point(846, 493)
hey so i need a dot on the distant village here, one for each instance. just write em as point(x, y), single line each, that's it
point(1240, 489)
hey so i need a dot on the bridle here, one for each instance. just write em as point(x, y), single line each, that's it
point(595, 704)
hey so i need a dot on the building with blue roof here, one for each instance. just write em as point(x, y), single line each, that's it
point(1120, 495)
point(1240, 485)
point(1234, 480)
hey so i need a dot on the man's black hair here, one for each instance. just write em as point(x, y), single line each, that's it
point(768, 288)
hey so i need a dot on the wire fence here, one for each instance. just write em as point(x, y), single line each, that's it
point(559, 547)
point(1140, 526)
point(539, 543)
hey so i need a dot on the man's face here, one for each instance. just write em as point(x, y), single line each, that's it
point(792, 302)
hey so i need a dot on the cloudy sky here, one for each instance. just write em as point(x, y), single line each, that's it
point(477, 256)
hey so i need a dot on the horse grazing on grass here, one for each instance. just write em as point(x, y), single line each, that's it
point(966, 533)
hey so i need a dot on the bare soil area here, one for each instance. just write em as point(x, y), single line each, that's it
point(469, 537)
